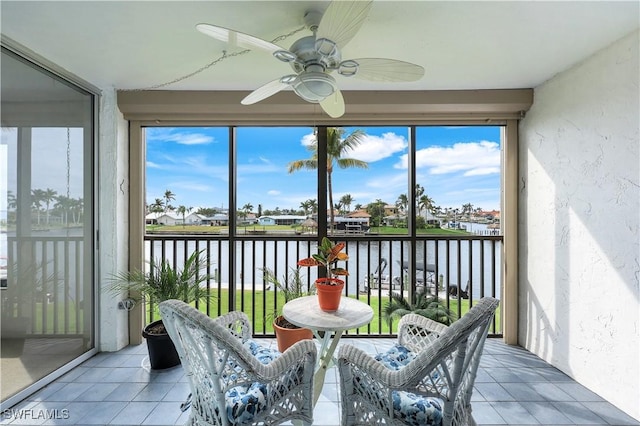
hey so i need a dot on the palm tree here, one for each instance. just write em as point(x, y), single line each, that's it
point(63, 204)
point(182, 210)
point(37, 197)
point(78, 207)
point(425, 304)
point(425, 202)
point(468, 209)
point(168, 197)
point(402, 203)
point(48, 195)
point(419, 193)
point(157, 206)
point(247, 208)
point(336, 148)
point(338, 208)
point(306, 207)
point(313, 203)
point(346, 201)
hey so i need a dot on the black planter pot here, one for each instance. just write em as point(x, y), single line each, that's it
point(13, 334)
point(162, 351)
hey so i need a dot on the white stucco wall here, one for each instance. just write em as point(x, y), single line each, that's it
point(113, 221)
point(579, 294)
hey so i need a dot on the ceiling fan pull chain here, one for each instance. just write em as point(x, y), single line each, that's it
point(212, 63)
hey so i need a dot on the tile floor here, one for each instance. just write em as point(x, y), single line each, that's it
point(513, 387)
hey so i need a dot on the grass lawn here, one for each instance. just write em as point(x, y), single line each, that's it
point(259, 305)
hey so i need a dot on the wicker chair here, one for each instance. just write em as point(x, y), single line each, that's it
point(425, 379)
point(233, 380)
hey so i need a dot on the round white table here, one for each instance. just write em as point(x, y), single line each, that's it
point(305, 312)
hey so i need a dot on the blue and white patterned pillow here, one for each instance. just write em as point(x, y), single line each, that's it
point(245, 402)
point(264, 355)
point(417, 410)
point(396, 357)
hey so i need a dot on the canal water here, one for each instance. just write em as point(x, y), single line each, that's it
point(475, 265)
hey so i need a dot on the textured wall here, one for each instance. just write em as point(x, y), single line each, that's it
point(113, 220)
point(579, 221)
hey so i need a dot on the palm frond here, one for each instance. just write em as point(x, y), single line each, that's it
point(164, 282)
point(425, 304)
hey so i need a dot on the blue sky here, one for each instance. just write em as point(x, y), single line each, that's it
point(455, 164)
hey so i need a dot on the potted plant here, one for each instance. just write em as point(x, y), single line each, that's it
point(291, 287)
point(163, 282)
point(426, 305)
point(21, 284)
point(329, 288)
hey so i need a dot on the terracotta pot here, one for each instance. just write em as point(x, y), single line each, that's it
point(329, 293)
point(286, 337)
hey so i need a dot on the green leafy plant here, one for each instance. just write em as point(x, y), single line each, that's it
point(328, 256)
point(290, 287)
point(425, 304)
point(164, 282)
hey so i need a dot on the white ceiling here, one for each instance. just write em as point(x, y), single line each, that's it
point(462, 45)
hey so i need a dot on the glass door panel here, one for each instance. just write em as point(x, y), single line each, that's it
point(46, 226)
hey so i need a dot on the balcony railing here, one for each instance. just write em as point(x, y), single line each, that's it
point(45, 285)
point(459, 269)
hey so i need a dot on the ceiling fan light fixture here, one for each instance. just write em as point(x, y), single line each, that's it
point(285, 56)
point(348, 68)
point(314, 86)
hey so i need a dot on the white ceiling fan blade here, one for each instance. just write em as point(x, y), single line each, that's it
point(236, 38)
point(264, 91)
point(333, 105)
point(342, 20)
point(381, 69)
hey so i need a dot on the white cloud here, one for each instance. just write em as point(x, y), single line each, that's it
point(372, 148)
point(470, 158)
point(182, 138)
point(273, 192)
point(152, 165)
point(481, 171)
point(308, 139)
point(375, 148)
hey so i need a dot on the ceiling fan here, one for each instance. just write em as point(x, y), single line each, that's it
point(313, 58)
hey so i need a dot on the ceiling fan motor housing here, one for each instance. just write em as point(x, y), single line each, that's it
point(307, 52)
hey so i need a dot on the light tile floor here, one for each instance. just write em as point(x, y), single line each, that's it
point(513, 387)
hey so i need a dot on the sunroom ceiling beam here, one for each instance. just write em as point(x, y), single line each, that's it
point(363, 107)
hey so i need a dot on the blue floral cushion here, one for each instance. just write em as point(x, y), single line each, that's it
point(417, 410)
point(396, 357)
point(264, 355)
point(245, 402)
point(411, 408)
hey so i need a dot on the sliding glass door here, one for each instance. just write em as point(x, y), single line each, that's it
point(46, 223)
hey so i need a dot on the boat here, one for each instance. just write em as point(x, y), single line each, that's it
point(379, 279)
